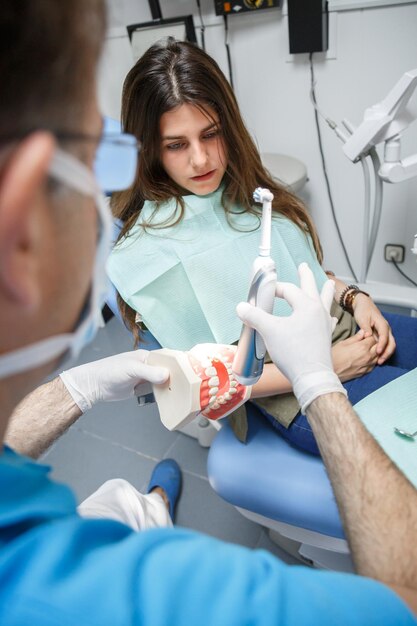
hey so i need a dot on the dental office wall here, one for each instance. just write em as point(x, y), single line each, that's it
point(370, 48)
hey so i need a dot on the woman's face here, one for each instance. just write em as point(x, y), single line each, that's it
point(192, 149)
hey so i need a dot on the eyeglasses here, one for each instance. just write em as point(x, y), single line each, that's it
point(116, 156)
point(116, 161)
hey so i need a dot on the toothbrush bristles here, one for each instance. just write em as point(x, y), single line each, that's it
point(262, 195)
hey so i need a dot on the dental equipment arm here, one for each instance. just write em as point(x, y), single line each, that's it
point(248, 363)
point(384, 122)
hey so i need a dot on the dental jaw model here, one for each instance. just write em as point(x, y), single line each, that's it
point(201, 382)
point(249, 359)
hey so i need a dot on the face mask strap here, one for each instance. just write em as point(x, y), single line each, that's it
point(68, 170)
point(37, 354)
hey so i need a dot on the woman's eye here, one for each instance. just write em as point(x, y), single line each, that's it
point(174, 146)
point(212, 134)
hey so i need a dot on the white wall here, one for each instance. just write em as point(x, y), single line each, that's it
point(372, 48)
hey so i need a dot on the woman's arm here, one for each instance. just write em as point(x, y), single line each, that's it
point(340, 286)
point(271, 383)
point(352, 358)
point(355, 356)
point(370, 319)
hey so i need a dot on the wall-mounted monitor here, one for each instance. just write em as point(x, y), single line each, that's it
point(145, 34)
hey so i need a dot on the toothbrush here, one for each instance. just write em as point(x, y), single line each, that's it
point(248, 363)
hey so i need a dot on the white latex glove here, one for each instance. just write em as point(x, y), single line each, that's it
point(111, 379)
point(300, 344)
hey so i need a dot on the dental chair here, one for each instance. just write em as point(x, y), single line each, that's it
point(269, 481)
point(286, 490)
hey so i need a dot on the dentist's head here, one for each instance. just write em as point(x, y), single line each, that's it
point(52, 216)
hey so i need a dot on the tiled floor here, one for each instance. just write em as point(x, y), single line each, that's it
point(123, 440)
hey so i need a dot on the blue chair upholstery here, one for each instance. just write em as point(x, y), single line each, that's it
point(271, 478)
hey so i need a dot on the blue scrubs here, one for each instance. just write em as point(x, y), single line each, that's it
point(59, 569)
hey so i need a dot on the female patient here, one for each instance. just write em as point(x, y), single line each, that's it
point(190, 233)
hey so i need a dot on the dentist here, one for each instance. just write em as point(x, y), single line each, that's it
point(57, 567)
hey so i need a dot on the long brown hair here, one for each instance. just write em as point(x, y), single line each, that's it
point(169, 74)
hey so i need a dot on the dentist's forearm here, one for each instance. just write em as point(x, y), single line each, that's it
point(41, 417)
point(377, 503)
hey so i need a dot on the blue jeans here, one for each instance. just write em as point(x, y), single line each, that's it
point(404, 359)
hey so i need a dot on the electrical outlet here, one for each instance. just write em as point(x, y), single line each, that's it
point(394, 252)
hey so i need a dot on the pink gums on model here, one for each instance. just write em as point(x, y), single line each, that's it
point(220, 392)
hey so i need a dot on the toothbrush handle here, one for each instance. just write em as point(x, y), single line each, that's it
point(265, 300)
point(249, 359)
point(247, 366)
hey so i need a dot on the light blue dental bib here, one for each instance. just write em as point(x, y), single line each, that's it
point(186, 280)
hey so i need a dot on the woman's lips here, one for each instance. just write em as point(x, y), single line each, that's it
point(203, 176)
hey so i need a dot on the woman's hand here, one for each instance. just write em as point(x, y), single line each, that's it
point(355, 356)
point(369, 319)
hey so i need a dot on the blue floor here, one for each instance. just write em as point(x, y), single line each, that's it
point(123, 440)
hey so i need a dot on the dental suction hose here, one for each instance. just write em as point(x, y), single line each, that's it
point(248, 363)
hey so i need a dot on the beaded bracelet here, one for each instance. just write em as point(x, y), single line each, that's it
point(343, 294)
point(348, 296)
point(350, 299)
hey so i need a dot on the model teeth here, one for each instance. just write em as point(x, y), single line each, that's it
point(208, 372)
